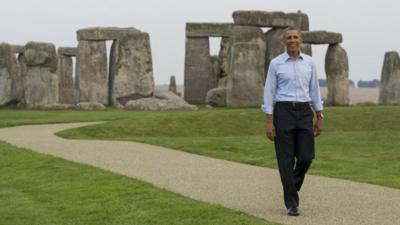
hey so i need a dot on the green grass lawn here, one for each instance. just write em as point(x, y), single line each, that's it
point(359, 143)
point(38, 189)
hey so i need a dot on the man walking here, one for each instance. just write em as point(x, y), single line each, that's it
point(291, 89)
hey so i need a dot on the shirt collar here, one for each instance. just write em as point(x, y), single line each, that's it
point(286, 56)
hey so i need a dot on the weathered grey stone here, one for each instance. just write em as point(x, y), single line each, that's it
point(247, 69)
point(216, 97)
point(172, 85)
point(223, 58)
point(41, 54)
point(208, 29)
point(91, 72)
point(41, 79)
point(270, 19)
point(222, 82)
point(390, 79)
point(58, 106)
point(213, 78)
point(160, 101)
point(66, 87)
point(90, 106)
point(18, 49)
point(104, 33)
point(337, 72)
point(6, 71)
point(321, 37)
point(67, 51)
point(131, 68)
point(301, 19)
point(17, 87)
point(198, 69)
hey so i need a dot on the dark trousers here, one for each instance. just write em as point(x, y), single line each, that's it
point(294, 146)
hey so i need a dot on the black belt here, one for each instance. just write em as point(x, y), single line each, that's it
point(294, 104)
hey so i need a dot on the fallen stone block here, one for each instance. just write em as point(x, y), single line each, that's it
point(90, 106)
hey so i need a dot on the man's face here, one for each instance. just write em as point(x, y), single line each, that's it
point(293, 41)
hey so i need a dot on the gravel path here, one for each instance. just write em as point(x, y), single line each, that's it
point(254, 190)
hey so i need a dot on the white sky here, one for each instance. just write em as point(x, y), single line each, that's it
point(369, 28)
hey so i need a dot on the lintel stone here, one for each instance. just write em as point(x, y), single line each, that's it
point(270, 19)
point(321, 37)
point(67, 51)
point(208, 29)
point(103, 33)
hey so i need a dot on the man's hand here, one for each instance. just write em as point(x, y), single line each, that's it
point(270, 128)
point(318, 127)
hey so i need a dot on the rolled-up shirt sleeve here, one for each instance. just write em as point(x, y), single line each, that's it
point(315, 93)
point(269, 90)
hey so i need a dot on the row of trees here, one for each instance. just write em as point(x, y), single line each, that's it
point(360, 84)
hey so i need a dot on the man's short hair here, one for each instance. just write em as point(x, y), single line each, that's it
point(291, 28)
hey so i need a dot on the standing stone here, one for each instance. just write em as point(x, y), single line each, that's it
point(66, 82)
point(198, 69)
point(41, 80)
point(247, 69)
point(390, 79)
point(337, 72)
point(213, 79)
point(223, 61)
point(131, 68)
point(172, 85)
point(6, 70)
point(17, 87)
point(91, 72)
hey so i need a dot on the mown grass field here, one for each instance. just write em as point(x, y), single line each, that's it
point(359, 143)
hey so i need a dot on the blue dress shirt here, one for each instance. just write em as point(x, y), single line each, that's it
point(293, 80)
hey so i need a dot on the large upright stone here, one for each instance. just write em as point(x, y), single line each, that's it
point(198, 69)
point(104, 33)
point(91, 72)
point(66, 86)
point(131, 68)
point(390, 79)
point(247, 68)
point(223, 61)
point(17, 87)
point(271, 19)
point(321, 37)
point(6, 71)
point(337, 72)
point(41, 80)
point(172, 85)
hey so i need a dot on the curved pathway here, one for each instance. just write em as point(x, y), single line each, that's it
point(254, 190)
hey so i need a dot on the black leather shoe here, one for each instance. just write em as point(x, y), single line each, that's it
point(293, 211)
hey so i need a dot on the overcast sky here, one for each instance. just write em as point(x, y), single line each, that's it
point(369, 28)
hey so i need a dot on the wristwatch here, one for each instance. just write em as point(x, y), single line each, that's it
point(320, 116)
